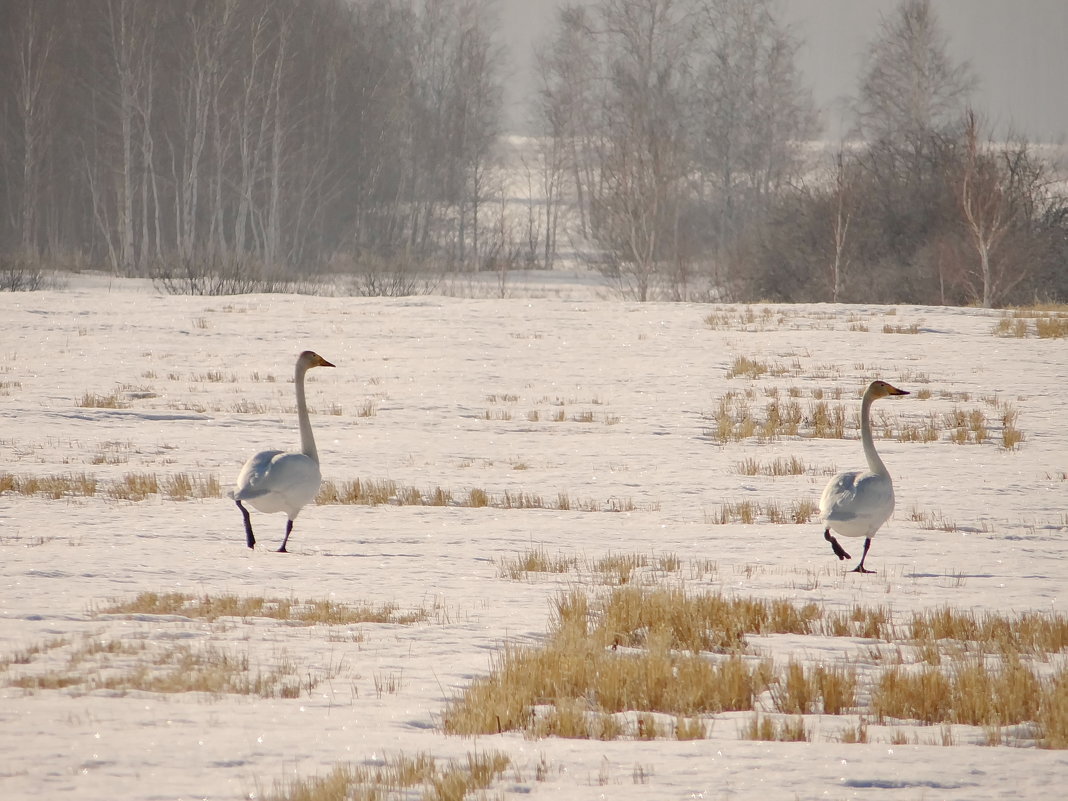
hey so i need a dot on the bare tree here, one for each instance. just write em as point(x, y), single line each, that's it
point(843, 209)
point(32, 39)
point(984, 210)
point(910, 88)
point(753, 113)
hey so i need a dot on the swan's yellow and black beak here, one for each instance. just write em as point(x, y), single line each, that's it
point(892, 390)
point(313, 359)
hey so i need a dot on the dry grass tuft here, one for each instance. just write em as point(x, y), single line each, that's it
point(1011, 436)
point(930, 430)
point(1047, 323)
point(619, 568)
point(762, 727)
point(1030, 633)
point(801, 690)
point(662, 652)
point(375, 493)
point(54, 487)
point(90, 400)
point(778, 467)
point(912, 328)
point(744, 367)
point(970, 693)
point(398, 777)
point(129, 487)
point(748, 512)
point(121, 666)
point(182, 486)
point(134, 487)
point(309, 613)
point(826, 421)
point(967, 425)
point(536, 560)
point(362, 492)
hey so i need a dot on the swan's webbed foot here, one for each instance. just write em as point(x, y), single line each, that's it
point(860, 568)
point(289, 530)
point(250, 538)
point(839, 551)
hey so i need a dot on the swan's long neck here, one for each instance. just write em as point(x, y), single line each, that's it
point(307, 441)
point(875, 464)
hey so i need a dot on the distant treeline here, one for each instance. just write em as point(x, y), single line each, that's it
point(148, 136)
point(219, 144)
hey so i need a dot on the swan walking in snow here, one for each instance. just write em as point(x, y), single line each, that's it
point(857, 503)
point(281, 481)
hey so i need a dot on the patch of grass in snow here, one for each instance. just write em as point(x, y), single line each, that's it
point(397, 776)
point(214, 377)
point(744, 367)
point(113, 400)
point(769, 729)
point(577, 678)
point(183, 486)
point(246, 406)
point(766, 318)
point(615, 569)
point(933, 521)
point(929, 430)
point(122, 666)
point(25, 656)
point(794, 466)
point(804, 690)
point(536, 560)
point(748, 512)
point(617, 665)
point(178, 487)
point(134, 486)
point(374, 493)
point(736, 418)
point(1011, 436)
point(1035, 633)
point(54, 487)
point(911, 328)
point(311, 612)
point(1041, 321)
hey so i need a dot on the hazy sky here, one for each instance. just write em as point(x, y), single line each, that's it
point(1017, 48)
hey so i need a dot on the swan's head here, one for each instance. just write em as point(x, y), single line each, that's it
point(310, 358)
point(880, 389)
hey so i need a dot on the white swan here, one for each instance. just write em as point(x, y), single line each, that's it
point(857, 503)
point(281, 481)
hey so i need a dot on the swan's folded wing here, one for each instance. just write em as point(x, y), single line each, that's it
point(834, 503)
point(254, 480)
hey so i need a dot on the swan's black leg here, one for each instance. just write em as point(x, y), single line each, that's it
point(860, 568)
point(250, 539)
point(289, 528)
point(839, 551)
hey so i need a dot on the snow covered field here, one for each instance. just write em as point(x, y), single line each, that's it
point(449, 393)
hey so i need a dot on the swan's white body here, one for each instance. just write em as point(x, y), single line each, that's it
point(283, 481)
point(857, 503)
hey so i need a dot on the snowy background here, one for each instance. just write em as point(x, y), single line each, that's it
point(442, 392)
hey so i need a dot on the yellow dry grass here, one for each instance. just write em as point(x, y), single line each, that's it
point(309, 612)
point(121, 666)
point(135, 486)
point(371, 492)
point(398, 776)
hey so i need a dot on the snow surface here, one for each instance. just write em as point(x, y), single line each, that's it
point(651, 374)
